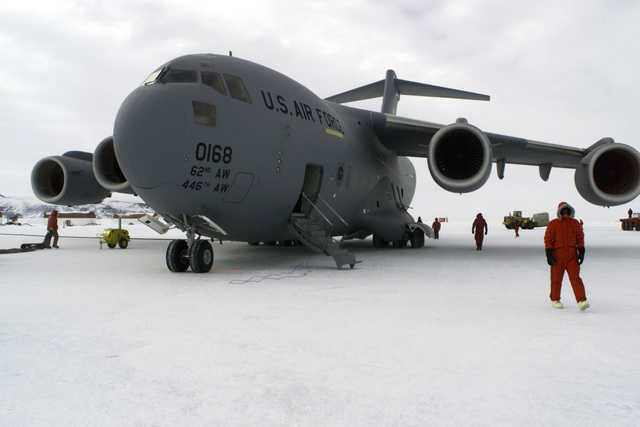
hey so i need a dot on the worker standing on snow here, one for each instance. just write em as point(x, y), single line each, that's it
point(436, 229)
point(564, 246)
point(480, 229)
point(52, 230)
point(517, 227)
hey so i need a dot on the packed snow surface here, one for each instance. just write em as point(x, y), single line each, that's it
point(443, 335)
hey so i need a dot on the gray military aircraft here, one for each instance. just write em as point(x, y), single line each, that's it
point(227, 149)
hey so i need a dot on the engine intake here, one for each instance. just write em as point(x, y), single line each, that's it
point(460, 157)
point(107, 170)
point(609, 175)
point(67, 180)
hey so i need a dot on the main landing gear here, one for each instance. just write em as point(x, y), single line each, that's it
point(198, 256)
point(416, 237)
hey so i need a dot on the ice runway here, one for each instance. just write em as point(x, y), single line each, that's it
point(443, 335)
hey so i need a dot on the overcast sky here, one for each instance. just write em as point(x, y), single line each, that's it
point(563, 72)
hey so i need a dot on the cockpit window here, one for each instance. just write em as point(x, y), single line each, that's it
point(214, 81)
point(205, 114)
point(237, 89)
point(152, 77)
point(178, 76)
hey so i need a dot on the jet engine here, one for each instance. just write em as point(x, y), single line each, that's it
point(460, 157)
point(609, 175)
point(67, 180)
point(107, 170)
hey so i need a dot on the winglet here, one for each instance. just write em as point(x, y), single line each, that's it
point(391, 88)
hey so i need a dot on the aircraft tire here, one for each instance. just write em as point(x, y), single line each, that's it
point(400, 243)
point(201, 256)
point(417, 239)
point(379, 243)
point(178, 256)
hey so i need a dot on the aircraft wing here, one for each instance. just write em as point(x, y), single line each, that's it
point(410, 137)
point(460, 157)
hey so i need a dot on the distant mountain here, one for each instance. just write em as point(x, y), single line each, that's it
point(33, 208)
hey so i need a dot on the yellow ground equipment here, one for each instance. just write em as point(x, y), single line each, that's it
point(631, 223)
point(538, 220)
point(115, 236)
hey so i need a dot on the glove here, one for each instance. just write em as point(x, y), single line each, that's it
point(550, 260)
point(580, 256)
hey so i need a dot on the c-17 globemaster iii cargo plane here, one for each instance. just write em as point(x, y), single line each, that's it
point(227, 149)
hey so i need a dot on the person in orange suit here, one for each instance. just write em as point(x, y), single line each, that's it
point(480, 229)
point(564, 247)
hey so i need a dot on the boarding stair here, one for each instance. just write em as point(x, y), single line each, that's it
point(318, 238)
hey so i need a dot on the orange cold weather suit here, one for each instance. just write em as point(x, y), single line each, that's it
point(479, 228)
point(565, 236)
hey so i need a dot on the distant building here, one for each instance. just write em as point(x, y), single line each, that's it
point(70, 219)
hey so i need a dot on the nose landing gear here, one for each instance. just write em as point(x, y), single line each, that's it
point(193, 252)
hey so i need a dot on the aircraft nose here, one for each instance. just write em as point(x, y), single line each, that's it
point(147, 136)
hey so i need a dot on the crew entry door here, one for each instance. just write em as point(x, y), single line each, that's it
point(310, 189)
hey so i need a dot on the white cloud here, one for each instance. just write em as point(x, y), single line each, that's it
point(562, 72)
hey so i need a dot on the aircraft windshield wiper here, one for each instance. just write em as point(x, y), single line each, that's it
point(163, 73)
point(154, 77)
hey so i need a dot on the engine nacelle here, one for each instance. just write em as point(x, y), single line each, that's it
point(107, 170)
point(609, 175)
point(67, 180)
point(460, 157)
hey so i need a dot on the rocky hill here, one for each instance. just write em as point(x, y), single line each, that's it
point(34, 208)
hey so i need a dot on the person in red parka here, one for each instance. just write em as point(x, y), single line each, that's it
point(480, 229)
point(436, 229)
point(564, 247)
point(52, 227)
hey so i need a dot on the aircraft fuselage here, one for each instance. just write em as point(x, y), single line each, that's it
point(232, 145)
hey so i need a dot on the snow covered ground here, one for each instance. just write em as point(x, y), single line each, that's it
point(444, 335)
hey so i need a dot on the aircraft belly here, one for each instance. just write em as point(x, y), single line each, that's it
point(248, 206)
